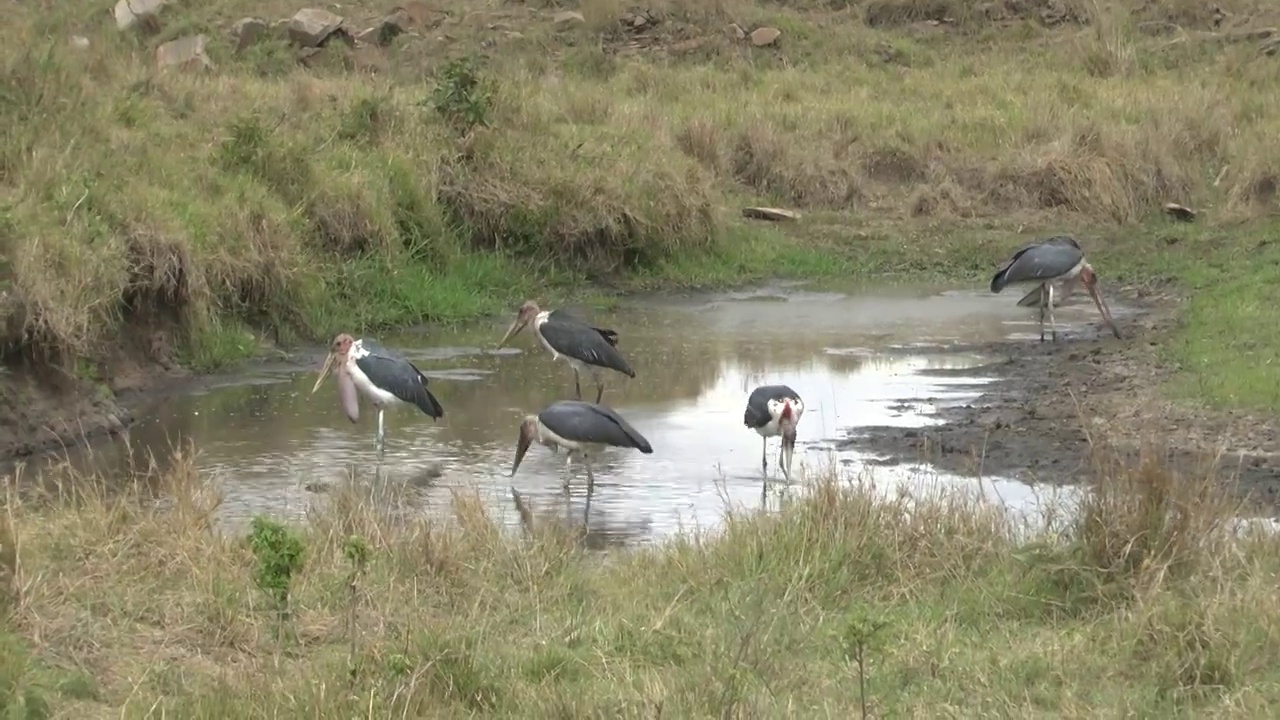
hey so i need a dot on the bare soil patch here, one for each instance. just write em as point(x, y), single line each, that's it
point(1037, 421)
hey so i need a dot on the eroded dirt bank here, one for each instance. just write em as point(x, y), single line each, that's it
point(45, 409)
point(1036, 421)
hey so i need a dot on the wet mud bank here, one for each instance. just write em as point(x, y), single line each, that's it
point(43, 412)
point(47, 410)
point(1050, 404)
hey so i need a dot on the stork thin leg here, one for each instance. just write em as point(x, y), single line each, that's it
point(599, 382)
point(1043, 305)
point(577, 384)
point(764, 457)
point(568, 469)
point(591, 478)
point(1053, 326)
point(382, 434)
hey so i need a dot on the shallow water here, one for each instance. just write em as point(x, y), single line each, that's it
point(856, 358)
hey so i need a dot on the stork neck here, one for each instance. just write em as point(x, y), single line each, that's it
point(542, 433)
point(540, 318)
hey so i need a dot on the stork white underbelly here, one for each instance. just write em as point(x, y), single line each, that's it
point(375, 394)
point(547, 437)
point(772, 429)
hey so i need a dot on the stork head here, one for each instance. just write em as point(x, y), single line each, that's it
point(525, 315)
point(338, 350)
point(528, 433)
point(346, 385)
point(1090, 281)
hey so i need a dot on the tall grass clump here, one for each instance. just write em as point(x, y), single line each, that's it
point(905, 601)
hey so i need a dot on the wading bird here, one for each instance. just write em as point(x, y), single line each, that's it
point(583, 429)
point(1056, 265)
point(582, 346)
point(384, 377)
point(774, 410)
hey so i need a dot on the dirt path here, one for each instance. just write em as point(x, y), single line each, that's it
point(1027, 425)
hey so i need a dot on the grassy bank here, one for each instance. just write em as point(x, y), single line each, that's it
point(1144, 605)
point(369, 187)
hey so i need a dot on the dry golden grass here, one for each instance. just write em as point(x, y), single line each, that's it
point(273, 193)
point(130, 599)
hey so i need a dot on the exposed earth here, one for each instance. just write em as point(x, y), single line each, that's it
point(1037, 420)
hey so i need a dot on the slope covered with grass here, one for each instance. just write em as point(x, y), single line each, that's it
point(492, 150)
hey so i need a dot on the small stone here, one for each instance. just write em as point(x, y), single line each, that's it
point(79, 42)
point(689, 45)
point(765, 36)
point(736, 31)
point(312, 28)
point(391, 27)
point(184, 53)
point(1179, 212)
point(246, 32)
point(134, 12)
point(768, 213)
point(113, 424)
point(567, 18)
point(1251, 35)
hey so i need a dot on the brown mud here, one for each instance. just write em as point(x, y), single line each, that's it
point(1052, 402)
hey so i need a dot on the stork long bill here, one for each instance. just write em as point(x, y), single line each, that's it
point(516, 326)
point(522, 446)
point(788, 448)
point(1092, 285)
point(324, 372)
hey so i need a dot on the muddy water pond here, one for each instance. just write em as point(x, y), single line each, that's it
point(856, 357)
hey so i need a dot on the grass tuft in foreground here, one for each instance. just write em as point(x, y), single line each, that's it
point(1147, 602)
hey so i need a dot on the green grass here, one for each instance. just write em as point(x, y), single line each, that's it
point(1143, 605)
point(273, 199)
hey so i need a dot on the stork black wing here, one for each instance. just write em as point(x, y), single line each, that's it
point(610, 336)
point(585, 422)
point(583, 342)
point(1038, 262)
point(757, 413)
point(398, 376)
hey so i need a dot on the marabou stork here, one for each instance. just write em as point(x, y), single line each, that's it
point(582, 346)
point(582, 429)
point(774, 410)
point(1055, 265)
point(384, 377)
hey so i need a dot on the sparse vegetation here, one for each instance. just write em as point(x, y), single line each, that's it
point(492, 154)
point(1150, 602)
point(281, 554)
